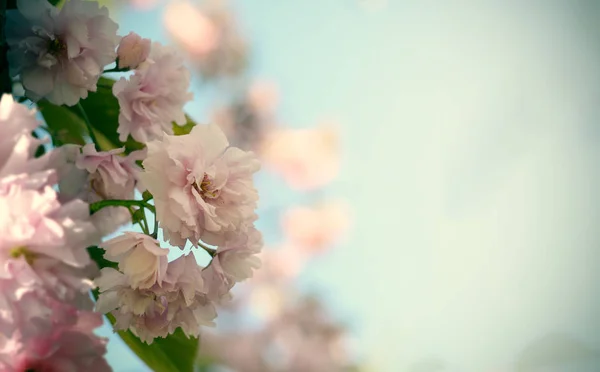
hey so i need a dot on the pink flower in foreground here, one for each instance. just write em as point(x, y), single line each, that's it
point(140, 257)
point(132, 51)
point(153, 97)
point(17, 145)
point(306, 158)
point(233, 262)
point(34, 224)
point(92, 176)
point(179, 301)
point(314, 229)
point(60, 54)
point(63, 348)
point(202, 188)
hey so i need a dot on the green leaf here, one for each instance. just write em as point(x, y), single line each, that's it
point(146, 195)
point(64, 125)
point(184, 129)
point(97, 255)
point(102, 108)
point(174, 353)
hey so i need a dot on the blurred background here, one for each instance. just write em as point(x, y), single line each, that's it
point(428, 193)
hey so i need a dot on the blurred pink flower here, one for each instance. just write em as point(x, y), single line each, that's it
point(202, 188)
point(248, 118)
point(209, 36)
point(62, 348)
point(144, 4)
point(34, 224)
point(197, 34)
point(315, 229)
point(17, 144)
point(139, 256)
point(306, 158)
point(60, 53)
point(132, 51)
point(154, 96)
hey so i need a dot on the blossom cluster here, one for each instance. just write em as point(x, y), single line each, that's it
point(57, 200)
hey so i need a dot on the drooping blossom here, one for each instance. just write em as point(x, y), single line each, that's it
point(140, 258)
point(60, 54)
point(306, 158)
point(132, 51)
point(234, 261)
point(153, 97)
point(92, 176)
point(17, 144)
point(202, 188)
point(209, 35)
point(179, 301)
point(64, 347)
point(314, 229)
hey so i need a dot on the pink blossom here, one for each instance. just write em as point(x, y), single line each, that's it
point(234, 261)
point(34, 224)
point(132, 51)
point(209, 35)
point(92, 176)
point(60, 54)
point(179, 301)
point(112, 176)
point(202, 188)
point(18, 146)
point(153, 97)
point(140, 257)
point(313, 229)
point(65, 347)
point(37, 294)
point(285, 151)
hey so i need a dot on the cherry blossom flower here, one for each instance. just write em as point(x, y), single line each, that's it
point(202, 188)
point(314, 229)
point(248, 118)
point(92, 176)
point(34, 224)
point(285, 151)
point(132, 51)
point(140, 257)
point(17, 145)
point(153, 97)
point(234, 261)
point(179, 301)
point(209, 35)
point(64, 347)
point(60, 54)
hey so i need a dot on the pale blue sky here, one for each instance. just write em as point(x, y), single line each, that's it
point(470, 141)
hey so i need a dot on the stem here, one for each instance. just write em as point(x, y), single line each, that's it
point(212, 252)
point(95, 207)
point(155, 232)
point(89, 125)
point(116, 69)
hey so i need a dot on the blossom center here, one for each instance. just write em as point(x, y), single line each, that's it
point(24, 252)
point(56, 47)
point(206, 188)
